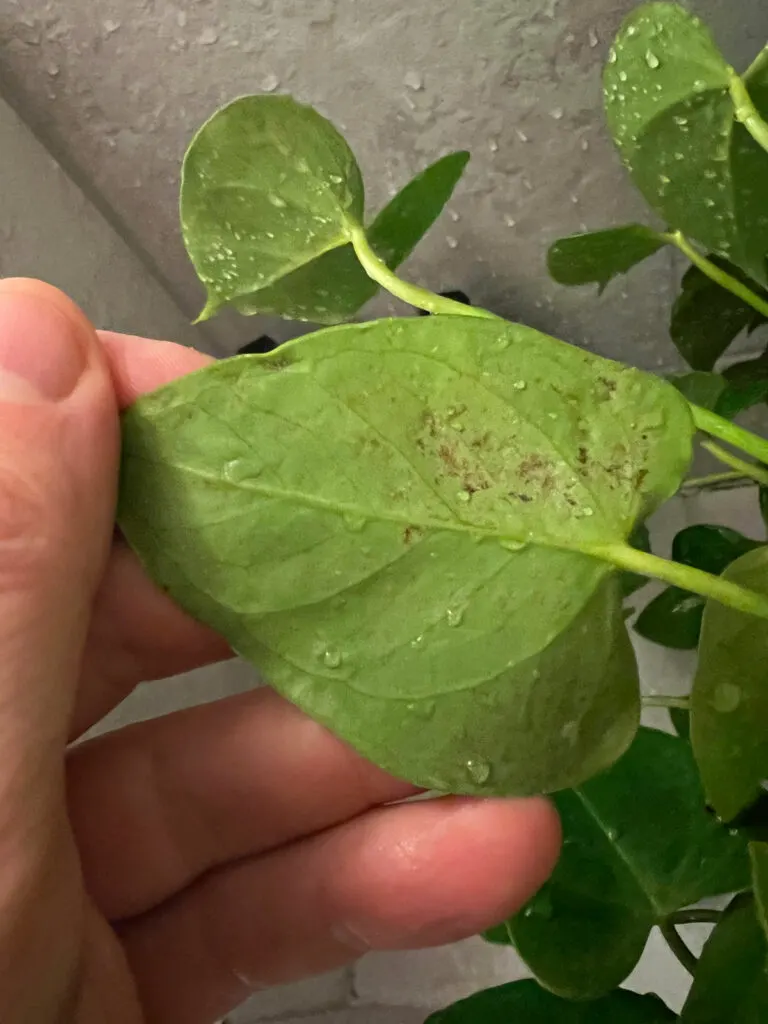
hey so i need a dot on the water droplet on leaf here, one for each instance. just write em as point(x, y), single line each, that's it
point(332, 658)
point(478, 771)
point(726, 698)
point(652, 60)
point(455, 616)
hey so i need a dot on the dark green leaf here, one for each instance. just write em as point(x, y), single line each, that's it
point(758, 855)
point(706, 318)
point(764, 504)
point(699, 387)
point(672, 619)
point(640, 538)
point(598, 256)
point(523, 1002)
point(377, 515)
point(671, 114)
point(638, 845)
point(500, 935)
point(334, 286)
point(681, 722)
point(747, 385)
point(268, 185)
point(729, 701)
point(731, 983)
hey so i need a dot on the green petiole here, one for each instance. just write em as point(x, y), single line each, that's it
point(747, 113)
point(734, 435)
point(715, 273)
point(742, 468)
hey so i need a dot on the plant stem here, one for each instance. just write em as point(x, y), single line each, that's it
point(736, 436)
point(684, 576)
point(747, 113)
point(756, 473)
point(659, 700)
point(757, 65)
point(700, 482)
point(695, 916)
point(413, 294)
point(678, 947)
point(717, 274)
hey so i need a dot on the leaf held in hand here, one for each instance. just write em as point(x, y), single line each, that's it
point(729, 700)
point(669, 108)
point(524, 1002)
point(268, 185)
point(334, 287)
point(731, 982)
point(387, 518)
point(598, 256)
point(626, 864)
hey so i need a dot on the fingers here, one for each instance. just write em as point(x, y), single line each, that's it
point(139, 365)
point(58, 470)
point(204, 787)
point(400, 877)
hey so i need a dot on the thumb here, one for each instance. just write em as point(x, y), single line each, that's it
point(58, 470)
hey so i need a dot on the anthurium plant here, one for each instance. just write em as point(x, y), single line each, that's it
point(423, 530)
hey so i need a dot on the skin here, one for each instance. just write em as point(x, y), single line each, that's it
point(159, 874)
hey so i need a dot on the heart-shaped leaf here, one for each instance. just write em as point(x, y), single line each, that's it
point(729, 700)
point(597, 256)
point(268, 185)
point(524, 1002)
point(389, 520)
point(707, 318)
point(731, 982)
point(758, 855)
point(673, 619)
point(334, 287)
point(638, 845)
point(669, 107)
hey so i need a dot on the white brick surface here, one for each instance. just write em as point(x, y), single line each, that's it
point(313, 994)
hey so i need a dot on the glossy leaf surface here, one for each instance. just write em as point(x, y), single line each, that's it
point(376, 515)
point(671, 114)
point(334, 287)
point(731, 982)
point(524, 1002)
point(638, 845)
point(729, 700)
point(268, 185)
point(598, 256)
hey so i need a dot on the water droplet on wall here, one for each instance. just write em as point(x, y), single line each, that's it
point(269, 83)
point(414, 81)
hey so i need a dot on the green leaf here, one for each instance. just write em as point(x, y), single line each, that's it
point(640, 539)
point(747, 385)
point(638, 845)
point(598, 256)
point(731, 982)
point(764, 504)
point(681, 722)
point(333, 287)
point(500, 935)
point(758, 855)
point(673, 619)
point(267, 186)
point(700, 388)
point(707, 318)
point(729, 700)
point(387, 519)
point(523, 1002)
point(671, 115)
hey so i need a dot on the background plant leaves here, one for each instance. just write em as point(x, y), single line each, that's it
point(681, 722)
point(671, 115)
point(700, 387)
point(707, 318)
point(626, 864)
point(597, 256)
point(673, 618)
point(334, 287)
point(729, 699)
point(747, 386)
point(731, 982)
point(524, 1002)
point(268, 185)
point(758, 855)
point(392, 573)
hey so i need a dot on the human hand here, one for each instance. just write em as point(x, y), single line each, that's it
point(160, 873)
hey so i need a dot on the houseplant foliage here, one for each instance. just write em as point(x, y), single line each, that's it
point(423, 530)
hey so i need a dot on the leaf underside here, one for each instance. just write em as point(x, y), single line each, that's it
point(386, 519)
point(729, 699)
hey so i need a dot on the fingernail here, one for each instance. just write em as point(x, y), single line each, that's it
point(43, 351)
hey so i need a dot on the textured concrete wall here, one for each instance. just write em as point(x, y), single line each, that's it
point(120, 87)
